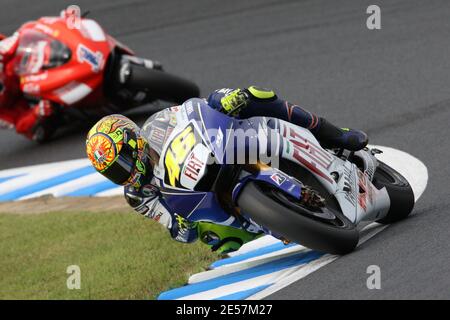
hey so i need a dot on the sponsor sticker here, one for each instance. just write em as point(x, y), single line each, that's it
point(31, 88)
point(278, 178)
point(34, 77)
point(94, 59)
point(157, 135)
point(46, 29)
point(157, 216)
point(350, 189)
point(193, 167)
point(362, 197)
point(189, 108)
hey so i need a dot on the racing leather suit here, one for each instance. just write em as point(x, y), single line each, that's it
point(16, 111)
point(251, 102)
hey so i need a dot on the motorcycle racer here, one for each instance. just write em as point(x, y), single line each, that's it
point(127, 155)
point(54, 74)
point(27, 116)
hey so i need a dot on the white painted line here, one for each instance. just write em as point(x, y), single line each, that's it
point(70, 186)
point(408, 166)
point(262, 242)
point(242, 265)
point(239, 286)
point(38, 174)
point(111, 192)
point(294, 277)
point(43, 167)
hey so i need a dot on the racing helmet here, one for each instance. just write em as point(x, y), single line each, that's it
point(117, 150)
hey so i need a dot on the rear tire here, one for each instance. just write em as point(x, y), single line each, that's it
point(399, 190)
point(291, 223)
point(161, 85)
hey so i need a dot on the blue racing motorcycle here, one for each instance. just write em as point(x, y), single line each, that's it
point(265, 174)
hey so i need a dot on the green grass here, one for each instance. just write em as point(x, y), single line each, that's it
point(121, 256)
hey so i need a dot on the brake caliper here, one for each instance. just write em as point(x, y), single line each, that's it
point(311, 199)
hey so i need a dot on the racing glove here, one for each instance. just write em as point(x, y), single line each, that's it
point(183, 230)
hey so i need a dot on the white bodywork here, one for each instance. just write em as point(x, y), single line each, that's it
point(353, 189)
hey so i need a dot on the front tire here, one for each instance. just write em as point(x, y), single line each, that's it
point(296, 224)
point(45, 129)
point(400, 193)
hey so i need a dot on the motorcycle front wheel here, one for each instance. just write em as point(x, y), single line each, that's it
point(325, 229)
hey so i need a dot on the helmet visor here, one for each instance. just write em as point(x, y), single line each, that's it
point(122, 169)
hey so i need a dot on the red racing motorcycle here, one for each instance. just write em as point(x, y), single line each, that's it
point(86, 73)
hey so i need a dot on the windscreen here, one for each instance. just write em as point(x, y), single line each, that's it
point(38, 51)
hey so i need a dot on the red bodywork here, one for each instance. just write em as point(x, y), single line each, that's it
point(77, 81)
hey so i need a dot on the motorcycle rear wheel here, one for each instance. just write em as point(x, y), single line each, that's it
point(399, 190)
point(162, 85)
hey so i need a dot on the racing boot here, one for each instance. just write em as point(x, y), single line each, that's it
point(331, 136)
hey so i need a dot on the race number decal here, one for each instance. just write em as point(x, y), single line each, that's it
point(177, 152)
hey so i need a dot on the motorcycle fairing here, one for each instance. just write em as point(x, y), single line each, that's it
point(274, 177)
point(191, 146)
point(197, 118)
point(373, 203)
point(198, 206)
point(78, 77)
point(358, 198)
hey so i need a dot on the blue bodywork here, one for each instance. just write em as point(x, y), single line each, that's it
point(204, 206)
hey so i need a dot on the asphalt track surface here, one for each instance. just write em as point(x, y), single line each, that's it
point(394, 83)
